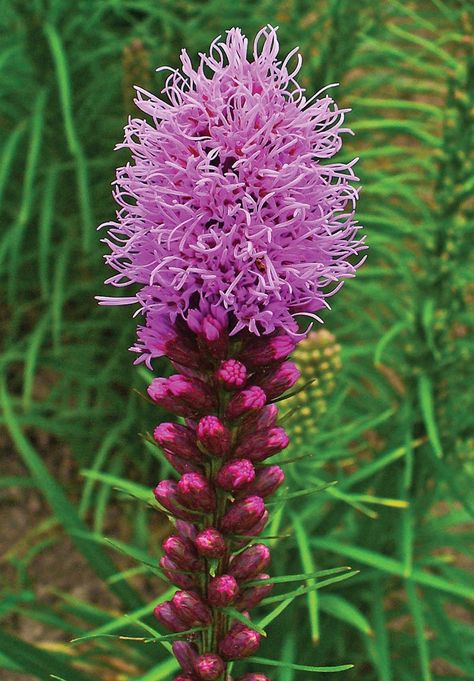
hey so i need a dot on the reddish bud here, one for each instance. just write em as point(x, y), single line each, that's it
point(180, 465)
point(168, 617)
point(245, 401)
point(222, 591)
point(182, 552)
point(264, 351)
point(267, 480)
point(167, 495)
point(240, 642)
point(236, 474)
point(176, 575)
point(231, 374)
point(195, 492)
point(210, 543)
point(263, 444)
point(178, 440)
point(181, 394)
point(243, 515)
point(186, 530)
point(258, 421)
point(259, 526)
point(209, 667)
point(184, 677)
point(186, 655)
point(248, 564)
point(279, 380)
point(210, 326)
point(252, 596)
point(191, 609)
point(213, 435)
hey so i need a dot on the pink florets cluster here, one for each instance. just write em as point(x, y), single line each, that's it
point(230, 198)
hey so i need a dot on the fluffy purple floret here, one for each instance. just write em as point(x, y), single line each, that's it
point(230, 197)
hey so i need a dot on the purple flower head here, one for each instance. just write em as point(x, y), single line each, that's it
point(231, 200)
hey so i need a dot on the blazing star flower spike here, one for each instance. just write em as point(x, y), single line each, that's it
point(231, 221)
point(231, 197)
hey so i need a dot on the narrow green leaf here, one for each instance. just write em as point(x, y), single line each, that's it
point(425, 394)
point(300, 667)
point(307, 562)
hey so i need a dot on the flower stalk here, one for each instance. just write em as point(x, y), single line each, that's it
point(218, 504)
point(232, 219)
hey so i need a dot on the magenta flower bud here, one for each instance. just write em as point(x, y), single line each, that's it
point(232, 374)
point(279, 380)
point(213, 435)
point(258, 421)
point(209, 667)
point(222, 591)
point(180, 465)
point(196, 492)
point(252, 676)
point(236, 474)
point(186, 655)
point(184, 677)
point(252, 596)
point(240, 642)
point(259, 526)
point(167, 495)
point(210, 326)
point(263, 444)
point(167, 616)
point(264, 351)
point(248, 400)
point(182, 552)
point(248, 564)
point(243, 515)
point(267, 480)
point(191, 609)
point(178, 440)
point(210, 543)
point(181, 394)
point(186, 530)
point(162, 338)
point(176, 575)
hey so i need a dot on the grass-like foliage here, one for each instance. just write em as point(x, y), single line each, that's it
point(397, 426)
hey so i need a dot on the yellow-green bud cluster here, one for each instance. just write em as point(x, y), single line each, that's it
point(318, 357)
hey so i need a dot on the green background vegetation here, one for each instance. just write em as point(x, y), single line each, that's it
point(78, 553)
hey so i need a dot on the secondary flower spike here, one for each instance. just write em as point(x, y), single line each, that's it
point(233, 219)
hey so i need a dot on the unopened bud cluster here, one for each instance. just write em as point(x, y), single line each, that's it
point(318, 357)
point(222, 389)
